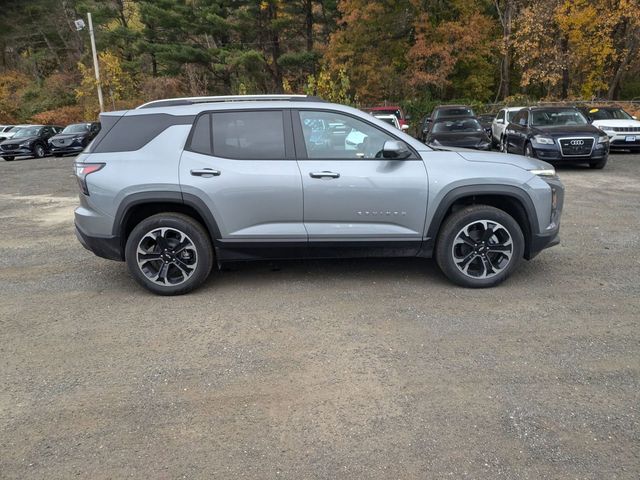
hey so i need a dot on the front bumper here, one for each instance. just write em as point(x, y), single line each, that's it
point(551, 153)
point(105, 247)
point(619, 141)
point(16, 152)
point(66, 149)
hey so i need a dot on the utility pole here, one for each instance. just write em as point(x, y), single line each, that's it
point(96, 68)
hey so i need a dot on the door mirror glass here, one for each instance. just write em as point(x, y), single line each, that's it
point(395, 150)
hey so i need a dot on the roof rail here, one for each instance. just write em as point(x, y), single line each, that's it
point(229, 98)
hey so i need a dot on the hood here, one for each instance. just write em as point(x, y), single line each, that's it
point(563, 130)
point(526, 163)
point(616, 123)
point(19, 140)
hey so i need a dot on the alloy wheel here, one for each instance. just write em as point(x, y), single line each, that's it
point(482, 249)
point(167, 256)
point(39, 151)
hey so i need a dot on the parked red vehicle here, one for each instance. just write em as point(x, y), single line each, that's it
point(390, 110)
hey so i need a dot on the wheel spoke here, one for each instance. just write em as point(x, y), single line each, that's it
point(162, 274)
point(149, 257)
point(498, 248)
point(464, 238)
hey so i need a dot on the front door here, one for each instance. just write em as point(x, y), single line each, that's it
point(351, 194)
point(242, 165)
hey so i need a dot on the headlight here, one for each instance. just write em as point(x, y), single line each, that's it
point(603, 139)
point(544, 172)
point(602, 127)
point(543, 140)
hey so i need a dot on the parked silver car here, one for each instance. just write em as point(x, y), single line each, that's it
point(179, 185)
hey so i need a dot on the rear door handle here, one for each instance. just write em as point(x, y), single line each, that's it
point(205, 172)
point(324, 175)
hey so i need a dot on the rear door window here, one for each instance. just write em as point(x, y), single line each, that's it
point(249, 135)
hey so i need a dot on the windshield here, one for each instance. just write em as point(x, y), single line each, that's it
point(454, 126)
point(388, 111)
point(558, 117)
point(609, 114)
point(76, 128)
point(454, 112)
point(27, 132)
point(389, 119)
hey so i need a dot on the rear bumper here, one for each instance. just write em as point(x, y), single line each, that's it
point(105, 247)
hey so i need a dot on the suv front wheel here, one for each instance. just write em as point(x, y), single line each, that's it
point(169, 254)
point(479, 246)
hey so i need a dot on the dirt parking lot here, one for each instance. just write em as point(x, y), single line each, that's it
point(350, 369)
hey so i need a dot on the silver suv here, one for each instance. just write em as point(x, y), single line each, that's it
point(176, 186)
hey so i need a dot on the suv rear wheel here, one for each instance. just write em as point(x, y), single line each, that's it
point(169, 254)
point(479, 246)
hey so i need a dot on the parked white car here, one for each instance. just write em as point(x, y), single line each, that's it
point(392, 120)
point(622, 128)
point(499, 124)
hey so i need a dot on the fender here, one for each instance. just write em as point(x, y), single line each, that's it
point(164, 197)
point(457, 193)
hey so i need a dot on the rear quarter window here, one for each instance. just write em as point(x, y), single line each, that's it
point(132, 132)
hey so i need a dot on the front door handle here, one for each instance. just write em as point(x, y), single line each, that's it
point(205, 172)
point(324, 175)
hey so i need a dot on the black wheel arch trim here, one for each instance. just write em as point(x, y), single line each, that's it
point(465, 191)
point(155, 197)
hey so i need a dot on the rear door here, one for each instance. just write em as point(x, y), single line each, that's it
point(242, 165)
point(351, 193)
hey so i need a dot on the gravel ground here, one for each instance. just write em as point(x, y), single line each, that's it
point(346, 369)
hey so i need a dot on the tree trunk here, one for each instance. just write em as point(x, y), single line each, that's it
point(564, 54)
point(275, 49)
point(631, 51)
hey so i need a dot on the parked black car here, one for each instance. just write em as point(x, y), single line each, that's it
point(30, 141)
point(556, 134)
point(74, 138)
point(458, 132)
point(442, 111)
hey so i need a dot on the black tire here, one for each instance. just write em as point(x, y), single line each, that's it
point(503, 146)
point(599, 164)
point(505, 229)
point(9, 159)
point(39, 151)
point(202, 252)
point(529, 151)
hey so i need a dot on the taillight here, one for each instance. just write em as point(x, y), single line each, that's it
point(84, 169)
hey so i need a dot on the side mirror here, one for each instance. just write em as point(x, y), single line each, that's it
point(395, 150)
point(404, 127)
point(499, 120)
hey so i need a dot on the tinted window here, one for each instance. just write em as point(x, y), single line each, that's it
point(454, 112)
point(201, 136)
point(133, 132)
point(500, 115)
point(329, 135)
point(249, 135)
